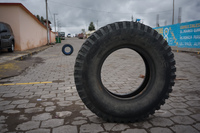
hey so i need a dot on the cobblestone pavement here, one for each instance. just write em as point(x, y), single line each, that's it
point(38, 106)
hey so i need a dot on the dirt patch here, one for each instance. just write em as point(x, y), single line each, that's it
point(15, 67)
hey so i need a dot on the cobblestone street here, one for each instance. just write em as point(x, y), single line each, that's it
point(43, 99)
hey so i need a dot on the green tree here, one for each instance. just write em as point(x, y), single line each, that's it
point(91, 27)
point(42, 19)
point(38, 17)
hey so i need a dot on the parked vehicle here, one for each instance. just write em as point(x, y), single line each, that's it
point(6, 37)
point(61, 35)
point(81, 36)
point(69, 35)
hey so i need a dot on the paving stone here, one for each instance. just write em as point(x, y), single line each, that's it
point(23, 117)
point(42, 117)
point(197, 126)
point(96, 119)
point(134, 131)
point(161, 122)
point(196, 117)
point(11, 111)
point(7, 107)
point(64, 103)
point(192, 97)
point(50, 108)
point(79, 102)
point(41, 92)
point(178, 105)
point(34, 110)
point(28, 125)
point(25, 93)
point(4, 102)
point(184, 129)
point(163, 113)
point(143, 124)
point(160, 130)
point(180, 111)
point(48, 96)
point(2, 119)
point(3, 128)
point(182, 120)
point(86, 113)
point(80, 118)
point(120, 127)
point(20, 101)
point(47, 103)
point(79, 122)
point(166, 106)
point(63, 114)
point(194, 110)
point(91, 128)
point(52, 123)
point(26, 105)
point(72, 98)
point(58, 99)
point(66, 128)
point(10, 95)
point(39, 131)
point(195, 103)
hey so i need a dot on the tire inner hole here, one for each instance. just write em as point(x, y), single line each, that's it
point(67, 49)
point(123, 72)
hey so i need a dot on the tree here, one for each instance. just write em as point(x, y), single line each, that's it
point(83, 30)
point(91, 27)
point(42, 19)
point(38, 17)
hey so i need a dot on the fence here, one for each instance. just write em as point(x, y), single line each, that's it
point(184, 35)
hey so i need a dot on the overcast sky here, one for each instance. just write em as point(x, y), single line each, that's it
point(74, 15)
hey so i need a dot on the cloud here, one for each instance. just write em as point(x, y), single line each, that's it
point(74, 15)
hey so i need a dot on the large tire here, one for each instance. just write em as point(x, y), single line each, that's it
point(12, 47)
point(64, 49)
point(159, 79)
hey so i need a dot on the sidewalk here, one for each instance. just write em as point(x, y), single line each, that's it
point(189, 50)
point(12, 64)
point(19, 55)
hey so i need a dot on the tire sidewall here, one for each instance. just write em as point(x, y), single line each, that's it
point(71, 49)
point(146, 46)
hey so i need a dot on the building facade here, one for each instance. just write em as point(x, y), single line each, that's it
point(29, 32)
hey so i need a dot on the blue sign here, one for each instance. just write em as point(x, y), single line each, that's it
point(185, 35)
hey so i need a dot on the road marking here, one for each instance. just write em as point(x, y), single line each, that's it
point(29, 83)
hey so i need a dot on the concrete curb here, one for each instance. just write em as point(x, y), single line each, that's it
point(186, 50)
point(31, 53)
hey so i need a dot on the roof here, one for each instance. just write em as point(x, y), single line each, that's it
point(25, 9)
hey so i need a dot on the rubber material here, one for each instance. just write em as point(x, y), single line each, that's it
point(159, 79)
point(71, 49)
point(12, 47)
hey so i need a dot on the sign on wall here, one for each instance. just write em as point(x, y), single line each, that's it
point(185, 35)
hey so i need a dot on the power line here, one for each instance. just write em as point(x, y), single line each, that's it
point(50, 13)
point(84, 8)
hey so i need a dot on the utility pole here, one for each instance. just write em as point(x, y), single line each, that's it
point(47, 23)
point(55, 20)
point(165, 22)
point(132, 18)
point(97, 25)
point(157, 21)
point(173, 14)
point(179, 15)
